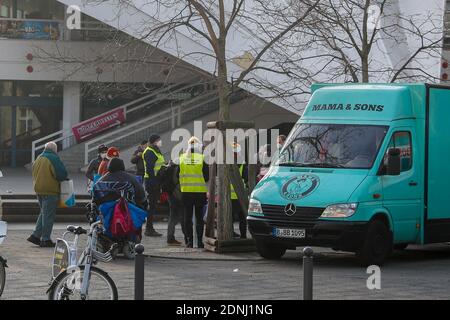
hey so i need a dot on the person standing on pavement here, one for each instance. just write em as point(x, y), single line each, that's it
point(193, 176)
point(171, 185)
point(153, 161)
point(48, 172)
point(137, 160)
point(264, 160)
point(112, 152)
point(92, 170)
point(238, 213)
point(281, 140)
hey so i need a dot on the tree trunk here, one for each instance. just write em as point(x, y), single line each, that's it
point(211, 218)
point(224, 211)
point(365, 69)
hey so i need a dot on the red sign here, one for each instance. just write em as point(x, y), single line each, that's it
point(92, 127)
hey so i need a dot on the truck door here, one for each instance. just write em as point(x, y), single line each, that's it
point(402, 194)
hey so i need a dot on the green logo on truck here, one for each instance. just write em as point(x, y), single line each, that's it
point(300, 186)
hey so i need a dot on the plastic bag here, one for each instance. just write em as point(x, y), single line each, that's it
point(67, 198)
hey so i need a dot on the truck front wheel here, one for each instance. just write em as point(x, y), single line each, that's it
point(270, 251)
point(377, 245)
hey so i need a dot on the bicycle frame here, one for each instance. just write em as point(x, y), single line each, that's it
point(89, 256)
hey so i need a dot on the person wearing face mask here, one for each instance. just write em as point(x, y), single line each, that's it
point(92, 169)
point(238, 213)
point(153, 161)
point(281, 140)
point(264, 160)
point(112, 152)
point(139, 162)
point(193, 176)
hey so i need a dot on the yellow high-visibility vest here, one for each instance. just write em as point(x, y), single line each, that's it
point(233, 193)
point(158, 164)
point(191, 173)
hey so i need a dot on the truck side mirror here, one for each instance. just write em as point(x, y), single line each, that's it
point(393, 167)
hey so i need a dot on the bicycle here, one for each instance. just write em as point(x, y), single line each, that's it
point(78, 278)
point(3, 265)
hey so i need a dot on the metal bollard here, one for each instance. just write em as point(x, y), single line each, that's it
point(308, 273)
point(139, 272)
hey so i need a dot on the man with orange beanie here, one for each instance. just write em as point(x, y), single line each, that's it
point(112, 152)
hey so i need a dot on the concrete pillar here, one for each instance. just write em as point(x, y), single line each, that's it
point(71, 106)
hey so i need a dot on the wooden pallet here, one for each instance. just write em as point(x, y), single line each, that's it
point(228, 246)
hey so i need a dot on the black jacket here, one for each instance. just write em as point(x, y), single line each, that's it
point(138, 161)
point(93, 168)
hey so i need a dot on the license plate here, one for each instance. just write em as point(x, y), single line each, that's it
point(289, 233)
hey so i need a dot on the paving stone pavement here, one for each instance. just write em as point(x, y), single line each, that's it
point(417, 273)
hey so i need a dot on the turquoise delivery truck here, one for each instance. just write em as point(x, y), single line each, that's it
point(366, 169)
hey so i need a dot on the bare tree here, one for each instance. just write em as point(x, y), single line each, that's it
point(353, 41)
point(212, 22)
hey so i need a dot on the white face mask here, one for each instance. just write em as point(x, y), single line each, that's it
point(237, 149)
point(103, 155)
point(279, 146)
point(159, 144)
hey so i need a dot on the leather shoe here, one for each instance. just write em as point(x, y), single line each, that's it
point(47, 244)
point(34, 240)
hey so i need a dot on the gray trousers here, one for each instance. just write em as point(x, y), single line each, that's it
point(44, 224)
point(176, 216)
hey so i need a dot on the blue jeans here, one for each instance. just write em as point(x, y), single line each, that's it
point(44, 224)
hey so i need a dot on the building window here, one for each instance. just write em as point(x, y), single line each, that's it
point(4, 11)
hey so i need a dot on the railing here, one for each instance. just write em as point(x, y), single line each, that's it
point(168, 118)
point(67, 139)
point(26, 134)
point(64, 138)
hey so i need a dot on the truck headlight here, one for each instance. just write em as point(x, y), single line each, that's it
point(342, 210)
point(254, 207)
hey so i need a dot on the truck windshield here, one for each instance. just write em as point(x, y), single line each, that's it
point(332, 146)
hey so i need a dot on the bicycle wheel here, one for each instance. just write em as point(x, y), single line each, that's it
point(67, 286)
point(2, 277)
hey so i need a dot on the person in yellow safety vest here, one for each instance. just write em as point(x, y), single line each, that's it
point(193, 176)
point(153, 161)
point(238, 213)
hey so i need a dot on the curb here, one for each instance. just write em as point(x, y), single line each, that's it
point(190, 258)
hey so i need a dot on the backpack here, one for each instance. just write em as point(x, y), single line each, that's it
point(121, 222)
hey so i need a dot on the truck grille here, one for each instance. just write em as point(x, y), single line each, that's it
point(304, 216)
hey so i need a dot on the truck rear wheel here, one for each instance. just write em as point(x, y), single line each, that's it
point(270, 251)
point(377, 245)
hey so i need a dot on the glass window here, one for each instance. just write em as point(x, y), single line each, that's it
point(4, 11)
point(42, 9)
point(332, 146)
point(402, 140)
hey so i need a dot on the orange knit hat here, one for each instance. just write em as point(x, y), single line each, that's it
point(113, 152)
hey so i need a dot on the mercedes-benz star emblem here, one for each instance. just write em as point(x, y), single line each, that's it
point(290, 209)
